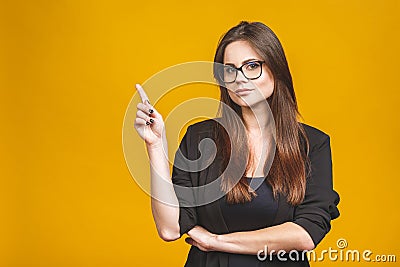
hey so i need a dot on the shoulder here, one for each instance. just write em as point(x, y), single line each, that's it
point(205, 126)
point(196, 132)
point(316, 137)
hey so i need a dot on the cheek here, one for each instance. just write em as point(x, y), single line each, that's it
point(266, 87)
point(236, 99)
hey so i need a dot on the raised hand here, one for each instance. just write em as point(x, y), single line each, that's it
point(148, 123)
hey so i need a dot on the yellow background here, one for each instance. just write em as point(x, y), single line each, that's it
point(67, 74)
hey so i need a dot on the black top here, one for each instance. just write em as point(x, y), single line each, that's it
point(314, 214)
point(256, 214)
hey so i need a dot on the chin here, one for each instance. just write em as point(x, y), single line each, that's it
point(249, 102)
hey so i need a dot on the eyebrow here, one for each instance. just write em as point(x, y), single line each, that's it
point(243, 62)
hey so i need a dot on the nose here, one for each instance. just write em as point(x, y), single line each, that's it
point(240, 77)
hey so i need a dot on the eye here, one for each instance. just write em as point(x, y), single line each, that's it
point(252, 65)
point(229, 69)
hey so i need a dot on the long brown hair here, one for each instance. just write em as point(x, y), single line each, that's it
point(290, 165)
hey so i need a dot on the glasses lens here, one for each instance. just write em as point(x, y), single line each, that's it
point(229, 74)
point(252, 70)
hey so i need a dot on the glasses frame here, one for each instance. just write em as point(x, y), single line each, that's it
point(261, 62)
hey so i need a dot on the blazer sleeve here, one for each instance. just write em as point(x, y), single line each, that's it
point(182, 181)
point(319, 206)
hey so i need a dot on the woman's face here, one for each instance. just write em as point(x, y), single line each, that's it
point(243, 91)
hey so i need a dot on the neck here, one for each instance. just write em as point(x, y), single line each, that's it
point(256, 118)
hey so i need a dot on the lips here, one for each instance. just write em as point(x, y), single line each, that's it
point(243, 91)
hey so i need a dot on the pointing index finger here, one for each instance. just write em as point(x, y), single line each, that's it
point(142, 93)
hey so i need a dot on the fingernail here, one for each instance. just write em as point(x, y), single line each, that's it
point(151, 111)
point(147, 123)
point(151, 120)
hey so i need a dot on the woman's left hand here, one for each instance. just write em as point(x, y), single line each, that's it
point(201, 238)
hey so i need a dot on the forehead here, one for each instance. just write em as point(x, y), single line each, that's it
point(239, 51)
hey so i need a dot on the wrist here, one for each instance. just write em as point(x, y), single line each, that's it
point(216, 242)
point(155, 146)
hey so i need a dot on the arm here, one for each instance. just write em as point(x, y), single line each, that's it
point(287, 236)
point(165, 216)
point(164, 204)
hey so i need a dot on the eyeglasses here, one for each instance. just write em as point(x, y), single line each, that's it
point(251, 70)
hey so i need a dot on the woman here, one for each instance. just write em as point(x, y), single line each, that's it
point(265, 218)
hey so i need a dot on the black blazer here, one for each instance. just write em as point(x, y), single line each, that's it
point(313, 214)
